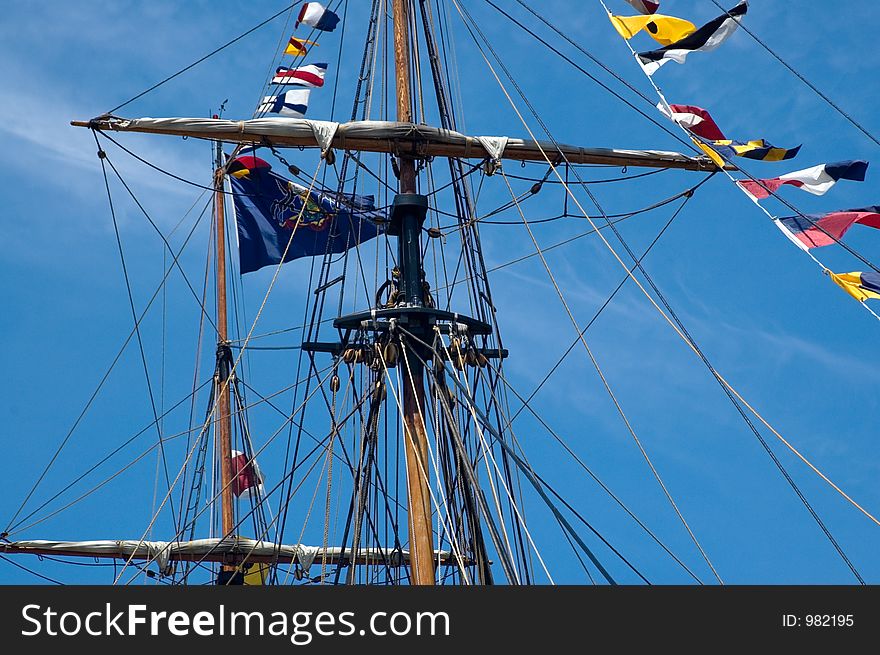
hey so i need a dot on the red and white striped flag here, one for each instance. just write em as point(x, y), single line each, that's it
point(311, 75)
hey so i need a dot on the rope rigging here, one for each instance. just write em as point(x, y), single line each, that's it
point(453, 357)
point(524, 468)
point(624, 178)
point(799, 213)
point(323, 277)
point(688, 341)
point(472, 27)
point(209, 502)
point(102, 157)
point(803, 79)
point(109, 370)
point(662, 203)
point(727, 159)
point(649, 117)
point(732, 395)
point(207, 56)
point(201, 428)
point(349, 482)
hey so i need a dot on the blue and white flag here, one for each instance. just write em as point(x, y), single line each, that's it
point(292, 103)
point(278, 220)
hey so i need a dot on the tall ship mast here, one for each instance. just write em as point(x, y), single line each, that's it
point(392, 453)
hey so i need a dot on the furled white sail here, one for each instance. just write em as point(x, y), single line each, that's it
point(230, 550)
point(392, 137)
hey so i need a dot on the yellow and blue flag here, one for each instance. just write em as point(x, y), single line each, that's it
point(860, 286)
point(758, 149)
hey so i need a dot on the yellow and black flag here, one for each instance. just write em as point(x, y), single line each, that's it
point(663, 29)
point(705, 39)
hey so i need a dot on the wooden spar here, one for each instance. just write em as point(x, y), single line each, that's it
point(230, 551)
point(418, 139)
point(223, 381)
point(415, 435)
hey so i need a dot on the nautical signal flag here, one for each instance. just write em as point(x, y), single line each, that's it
point(817, 230)
point(256, 574)
point(645, 6)
point(293, 103)
point(663, 29)
point(710, 152)
point(698, 121)
point(315, 15)
point(860, 286)
point(707, 38)
point(758, 149)
point(242, 165)
point(247, 479)
point(694, 119)
point(311, 75)
point(276, 217)
point(245, 163)
point(816, 180)
point(723, 150)
point(297, 47)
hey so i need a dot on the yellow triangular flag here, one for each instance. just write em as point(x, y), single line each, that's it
point(665, 30)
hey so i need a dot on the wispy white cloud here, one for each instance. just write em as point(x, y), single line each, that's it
point(41, 133)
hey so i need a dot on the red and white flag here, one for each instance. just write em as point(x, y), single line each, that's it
point(316, 15)
point(247, 479)
point(694, 119)
point(645, 6)
point(311, 75)
point(816, 180)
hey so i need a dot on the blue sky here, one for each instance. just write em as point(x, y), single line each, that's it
point(791, 342)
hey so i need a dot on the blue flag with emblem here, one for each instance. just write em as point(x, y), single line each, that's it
point(279, 220)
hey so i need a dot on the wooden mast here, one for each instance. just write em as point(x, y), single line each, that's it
point(402, 79)
point(223, 416)
point(415, 434)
